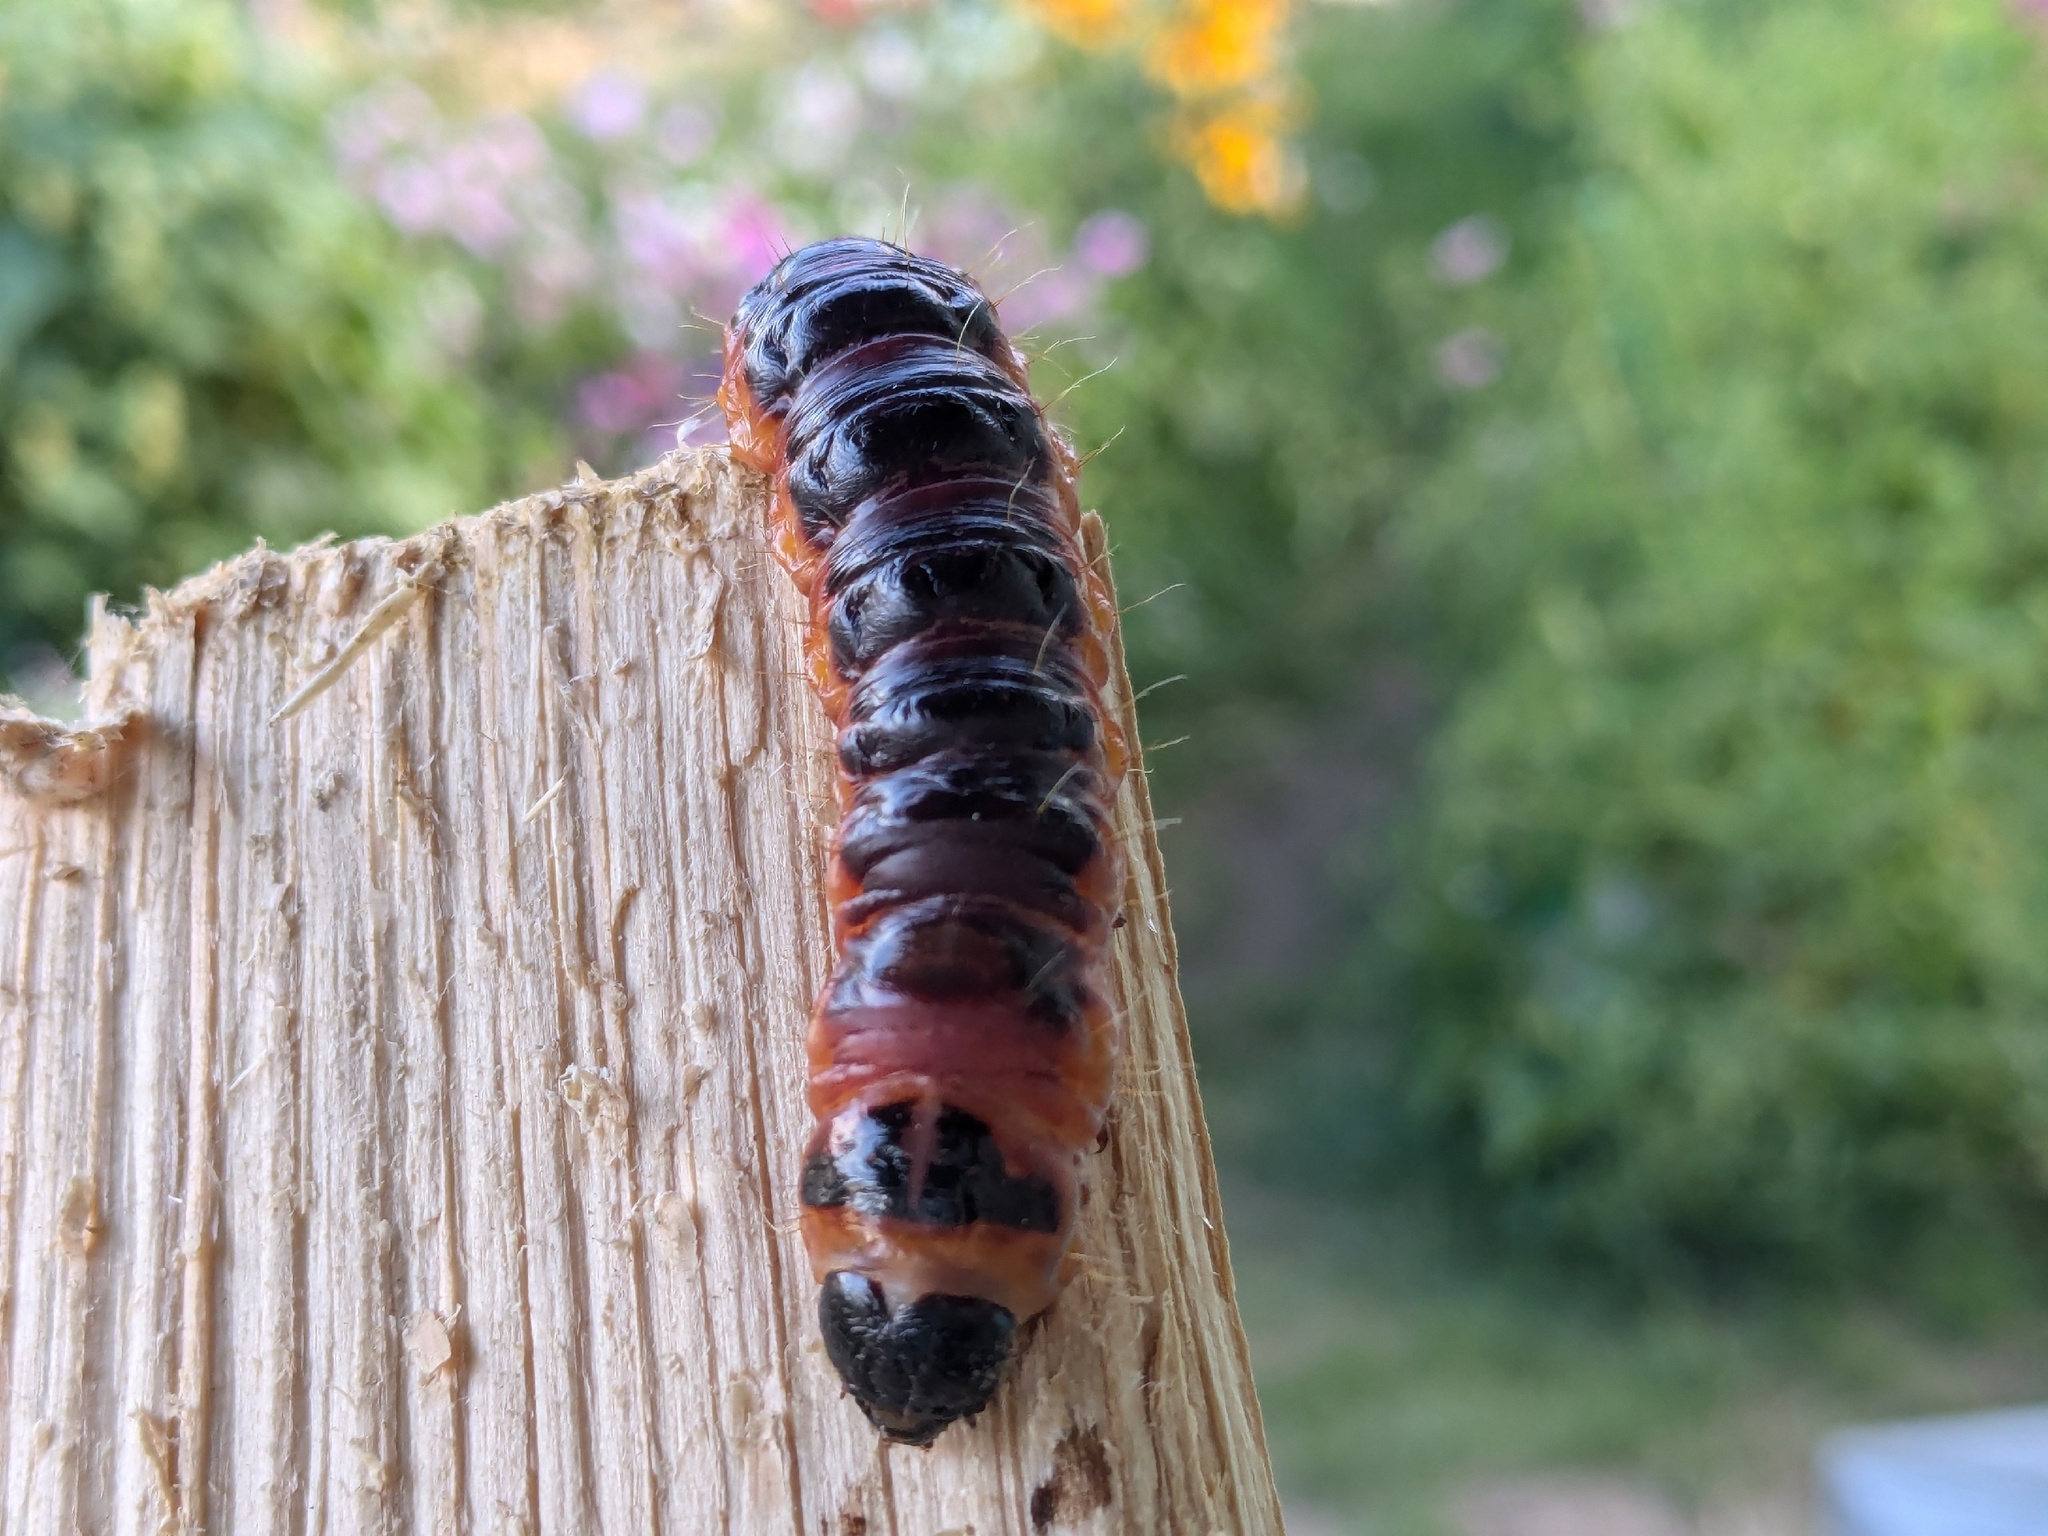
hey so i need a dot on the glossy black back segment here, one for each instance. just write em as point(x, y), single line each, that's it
point(1050, 802)
point(964, 1182)
point(1022, 513)
point(951, 582)
point(839, 293)
point(902, 411)
point(915, 702)
point(926, 1364)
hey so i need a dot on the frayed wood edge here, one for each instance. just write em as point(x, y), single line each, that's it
point(392, 607)
point(47, 762)
point(50, 762)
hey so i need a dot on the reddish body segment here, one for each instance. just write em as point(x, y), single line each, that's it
point(961, 1055)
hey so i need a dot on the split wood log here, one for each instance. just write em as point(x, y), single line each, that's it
point(402, 1002)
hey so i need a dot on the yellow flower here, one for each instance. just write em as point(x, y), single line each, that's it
point(1241, 156)
point(1226, 62)
point(1085, 23)
point(1220, 45)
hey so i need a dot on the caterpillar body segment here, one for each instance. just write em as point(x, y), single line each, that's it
point(961, 1054)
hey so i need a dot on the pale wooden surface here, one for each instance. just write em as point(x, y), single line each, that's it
point(401, 1078)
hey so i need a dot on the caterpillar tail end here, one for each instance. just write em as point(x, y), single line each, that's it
point(918, 1367)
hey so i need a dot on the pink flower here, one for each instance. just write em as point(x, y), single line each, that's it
point(1060, 294)
point(1112, 243)
point(1471, 359)
point(657, 240)
point(412, 195)
point(754, 235)
point(608, 106)
point(1603, 15)
point(613, 402)
point(631, 398)
point(509, 146)
point(684, 132)
point(973, 229)
point(1469, 252)
point(549, 274)
point(477, 216)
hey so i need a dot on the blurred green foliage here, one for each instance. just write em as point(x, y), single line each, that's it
point(203, 335)
point(1725, 939)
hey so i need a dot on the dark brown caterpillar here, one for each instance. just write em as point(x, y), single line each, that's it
point(960, 1056)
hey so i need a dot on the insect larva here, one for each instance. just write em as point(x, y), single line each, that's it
point(960, 1055)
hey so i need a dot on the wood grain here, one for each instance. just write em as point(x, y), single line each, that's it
point(402, 996)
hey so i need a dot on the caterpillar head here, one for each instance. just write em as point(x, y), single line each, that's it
point(917, 1367)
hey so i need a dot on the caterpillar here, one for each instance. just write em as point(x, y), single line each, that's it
point(961, 1053)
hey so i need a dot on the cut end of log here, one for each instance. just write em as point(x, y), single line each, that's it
point(403, 989)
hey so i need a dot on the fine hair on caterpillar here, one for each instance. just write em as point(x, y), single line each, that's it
point(960, 1056)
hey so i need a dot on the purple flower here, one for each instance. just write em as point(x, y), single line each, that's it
point(631, 397)
point(1469, 252)
point(613, 403)
point(971, 228)
point(549, 274)
point(684, 132)
point(658, 239)
point(1602, 15)
point(475, 176)
point(754, 235)
point(1471, 359)
point(1112, 243)
point(477, 215)
point(509, 146)
point(411, 193)
point(1060, 294)
point(608, 106)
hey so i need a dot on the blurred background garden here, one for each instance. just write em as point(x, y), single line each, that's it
point(1580, 474)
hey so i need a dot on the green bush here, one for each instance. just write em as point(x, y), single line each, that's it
point(203, 335)
point(1729, 904)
